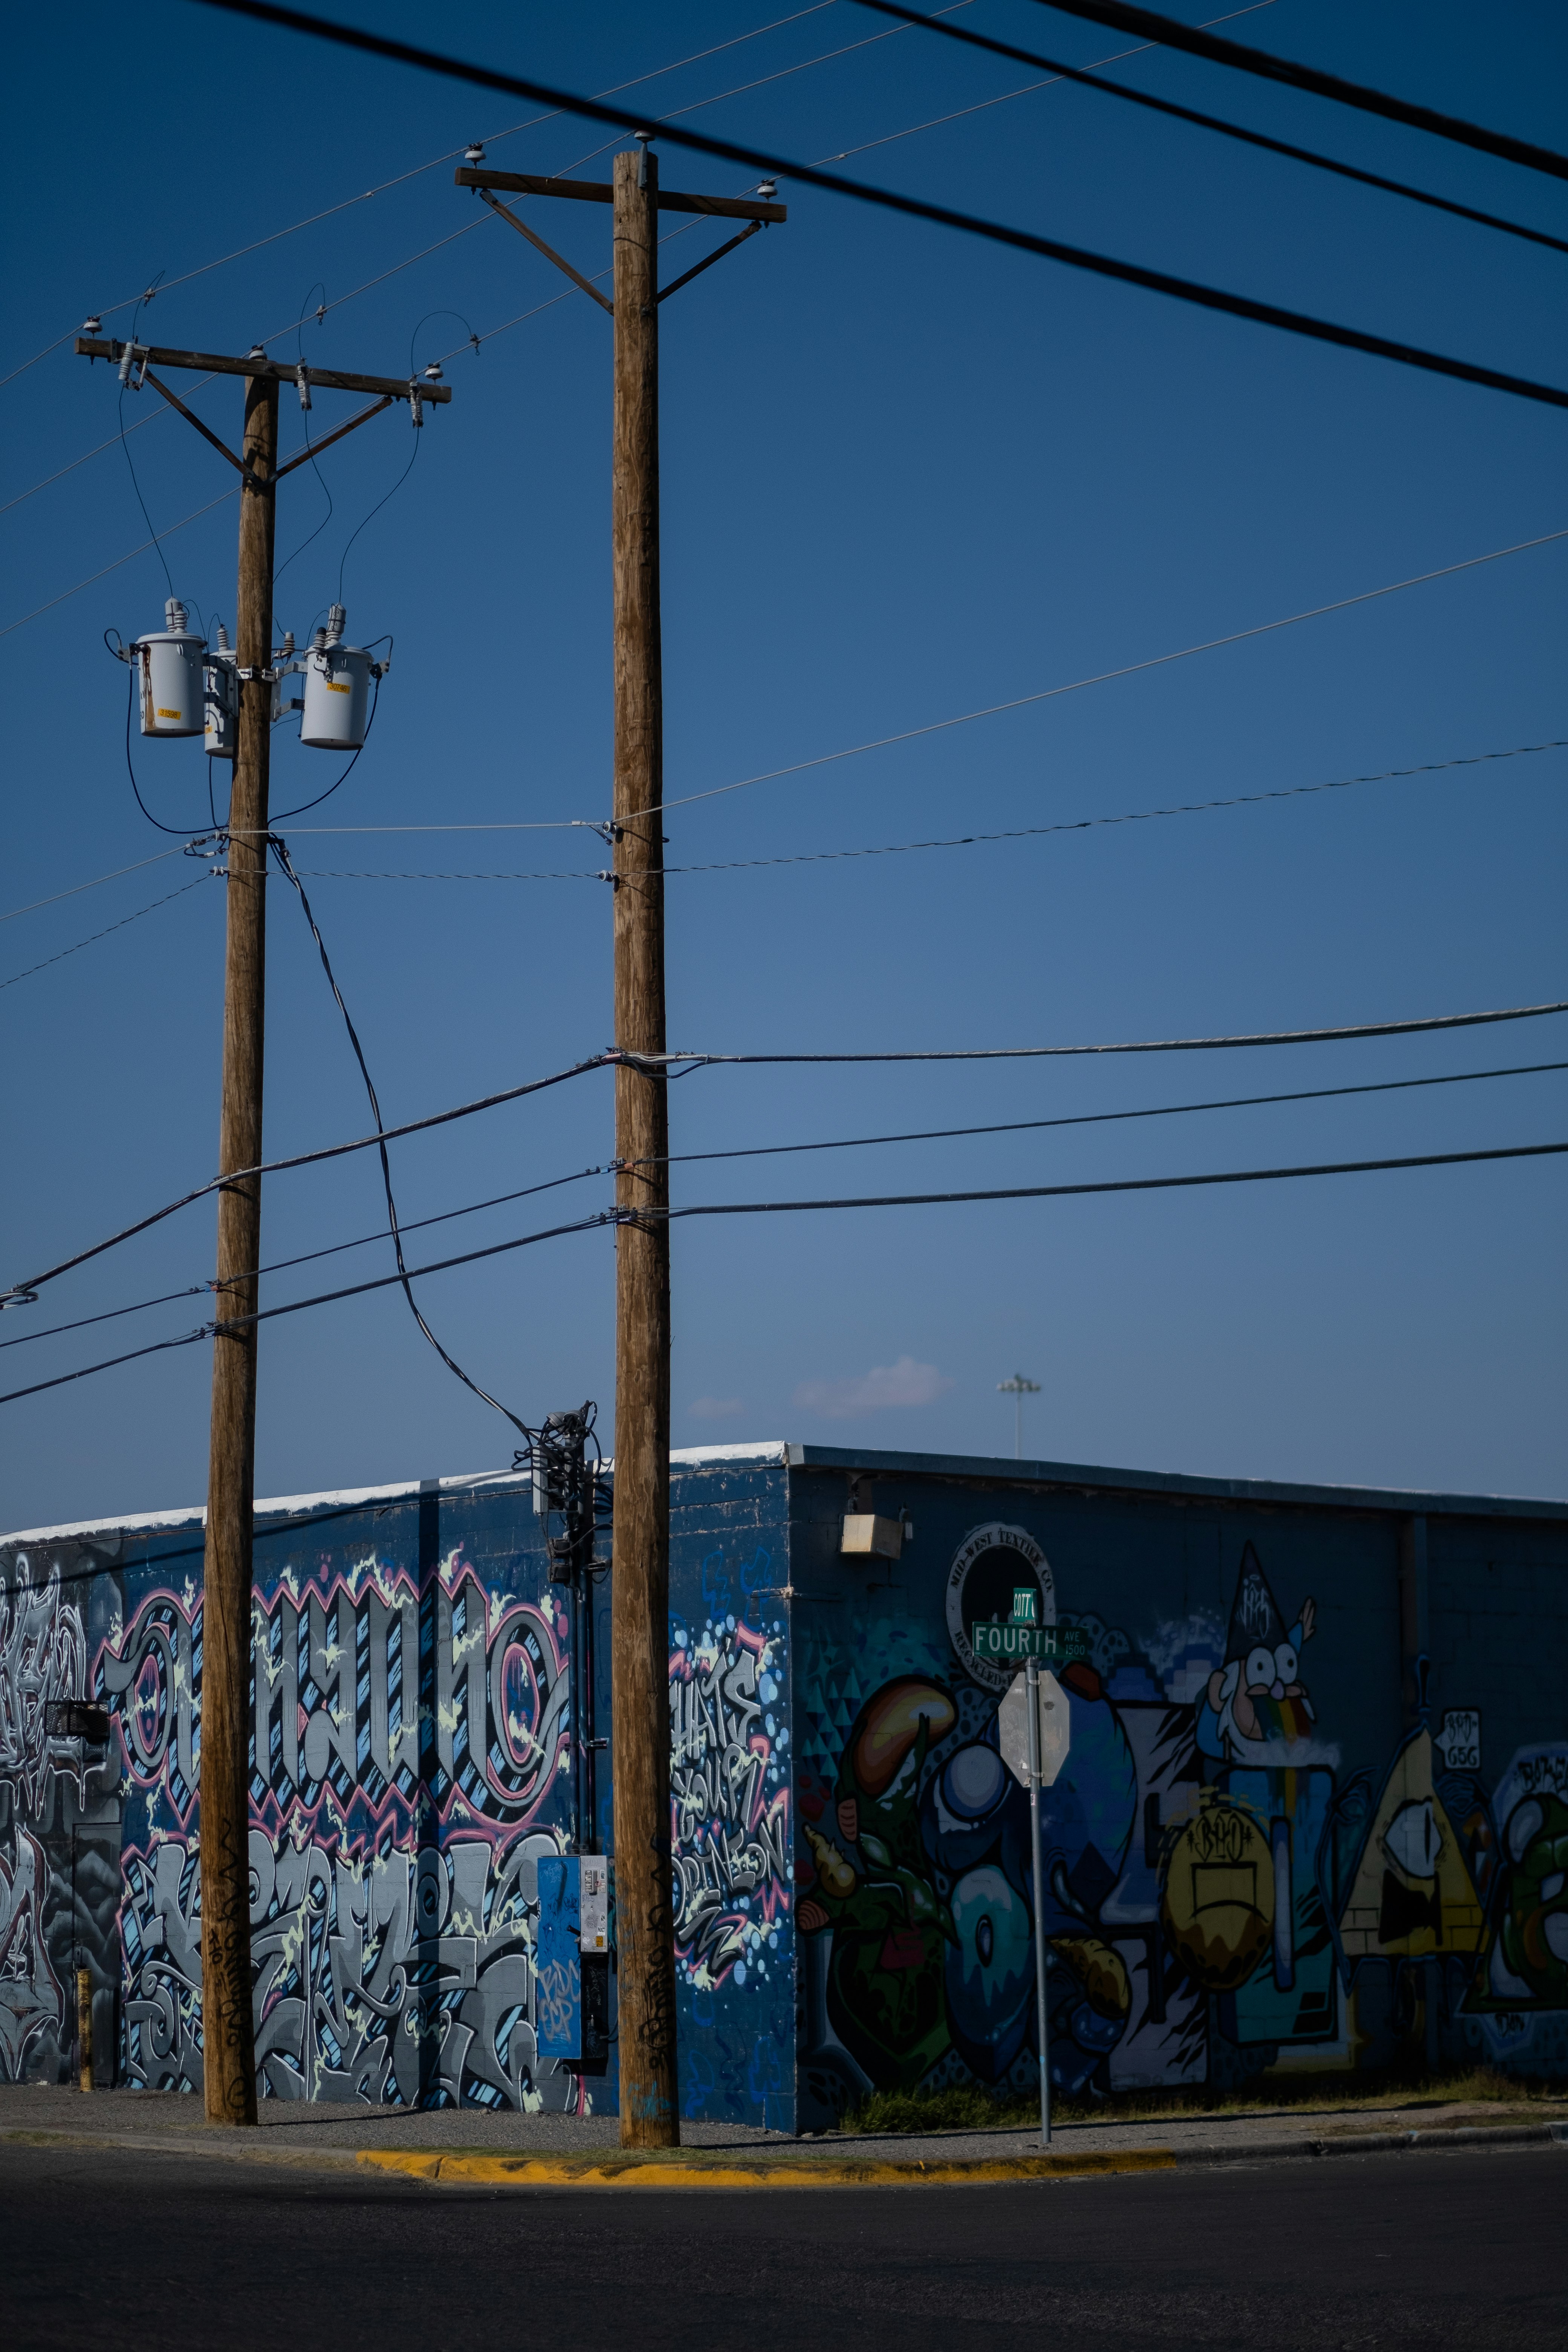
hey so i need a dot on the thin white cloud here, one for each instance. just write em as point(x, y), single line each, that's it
point(903, 1384)
point(708, 1408)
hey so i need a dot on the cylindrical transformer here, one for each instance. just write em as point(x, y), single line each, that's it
point(173, 694)
point(337, 690)
point(222, 699)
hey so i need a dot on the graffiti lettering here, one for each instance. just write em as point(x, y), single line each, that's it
point(43, 1661)
point(728, 1803)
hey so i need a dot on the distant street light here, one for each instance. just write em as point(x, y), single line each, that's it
point(1018, 1388)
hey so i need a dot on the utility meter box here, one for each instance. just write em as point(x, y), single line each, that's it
point(572, 1962)
point(222, 700)
point(173, 691)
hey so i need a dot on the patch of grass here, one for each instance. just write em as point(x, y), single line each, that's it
point(968, 2108)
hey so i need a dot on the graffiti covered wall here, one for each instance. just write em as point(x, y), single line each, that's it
point(1253, 1857)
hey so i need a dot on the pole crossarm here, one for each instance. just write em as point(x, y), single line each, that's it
point(192, 418)
point(548, 251)
point(96, 347)
point(601, 191)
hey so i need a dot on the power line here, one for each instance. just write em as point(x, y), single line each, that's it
point(67, 593)
point(77, 887)
point(282, 854)
point(21, 1292)
point(1183, 289)
point(773, 1151)
point(1162, 1046)
point(492, 138)
point(1106, 677)
point(1116, 1184)
point(962, 840)
point(166, 901)
point(1090, 80)
point(1168, 34)
point(618, 1216)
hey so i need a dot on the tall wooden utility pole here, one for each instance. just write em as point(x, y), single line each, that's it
point(644, 1916)
point(650, 2112)
point(229, 2049)
point(229, 2046)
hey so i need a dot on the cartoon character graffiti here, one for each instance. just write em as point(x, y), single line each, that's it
point(43, 1661)
point(1256, 1702)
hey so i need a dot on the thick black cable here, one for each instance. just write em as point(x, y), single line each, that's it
point(1115, 1184)
point(1157, 281)
point(831, 1143)
point(1166, 33)
point(1090, 80)
point(180, 831)
point(698, 1061)
point(370, 518)
point(125, 446)
point(1159, 1045)
point(619, 1216)
point(301, 1160)
point(348, 772)
point(280, 851)
point(95, 936)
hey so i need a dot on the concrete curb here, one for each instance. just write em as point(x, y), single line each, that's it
point(477, 2169)
point(633, 2172)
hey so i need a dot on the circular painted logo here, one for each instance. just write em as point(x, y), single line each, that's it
point(994, 1569)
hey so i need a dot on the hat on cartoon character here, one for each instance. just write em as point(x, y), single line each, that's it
point(1255, 1618)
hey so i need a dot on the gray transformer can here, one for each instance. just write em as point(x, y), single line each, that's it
point(337, 697)
point(172, 665)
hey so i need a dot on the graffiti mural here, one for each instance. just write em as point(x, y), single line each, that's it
point(1178, 1848)
point(406, 1741)
point(56, 1890)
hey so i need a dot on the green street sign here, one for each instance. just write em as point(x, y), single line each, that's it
point(1008, 1643)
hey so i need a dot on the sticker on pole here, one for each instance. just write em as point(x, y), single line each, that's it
point(1013, 1728)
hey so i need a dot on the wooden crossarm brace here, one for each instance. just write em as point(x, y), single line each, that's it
point(548, 250)
point(191, 418)
point(676, 284)
point(355, 421)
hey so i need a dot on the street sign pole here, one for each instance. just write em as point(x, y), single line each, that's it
point(1032, 1673)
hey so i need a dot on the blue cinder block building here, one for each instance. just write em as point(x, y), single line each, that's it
point(1313, 1813)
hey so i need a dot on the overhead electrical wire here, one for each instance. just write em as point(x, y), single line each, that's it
point(1104, 677)
point(620, 1216)
point(1211, 298)
point(950, 841)
point(22, 1292)
point(773, 1150)
point(98, 880)
point(1167, 32)
point(1090, 80)
point(76, 948)
point(492, 138)
point(281, 852)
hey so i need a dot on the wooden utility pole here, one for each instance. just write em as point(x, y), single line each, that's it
point(650, 2114)
point(645, 1915)
point(228, 2041)
point(229, 2049)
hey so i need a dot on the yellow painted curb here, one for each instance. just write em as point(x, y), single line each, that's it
point(582, 2172)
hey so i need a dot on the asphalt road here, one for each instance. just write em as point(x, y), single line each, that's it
point(1410, 2253)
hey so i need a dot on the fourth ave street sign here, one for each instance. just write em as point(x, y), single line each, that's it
point(1013, 1728)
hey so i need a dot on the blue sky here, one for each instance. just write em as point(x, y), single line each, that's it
point(906, 475)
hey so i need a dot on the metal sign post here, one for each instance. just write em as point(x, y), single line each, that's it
point(1032, 1674)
